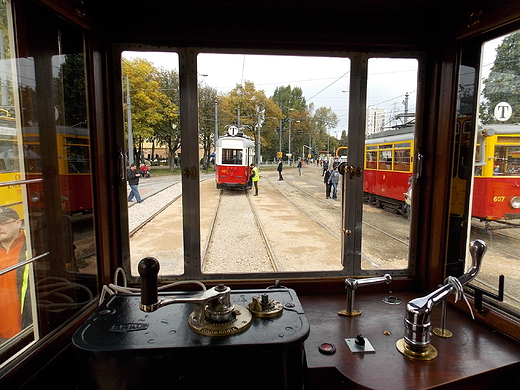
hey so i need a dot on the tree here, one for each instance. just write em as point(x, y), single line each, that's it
point(167, 131)
point(325, 119)
point(503, 82)
point(147, 99)
point(292, 105)
point(69, 85)
point(242, 106)
point(207, 98)
point(289, 98)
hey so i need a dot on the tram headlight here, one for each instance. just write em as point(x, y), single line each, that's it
point(515, 202)
point(35, 197)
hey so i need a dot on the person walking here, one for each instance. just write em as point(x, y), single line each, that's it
point(328, 185)
point(334, 180)
point(279, 169)
point(15, 302)
point(299, 166)
point(255, 176)
point(133, 181)
point(325, 167)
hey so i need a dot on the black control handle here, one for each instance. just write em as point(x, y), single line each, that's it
point(149, 269)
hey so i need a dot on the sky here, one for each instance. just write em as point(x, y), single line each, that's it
point(323, 80)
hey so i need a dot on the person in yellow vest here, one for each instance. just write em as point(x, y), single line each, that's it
point(14, 297)
point(255, 177)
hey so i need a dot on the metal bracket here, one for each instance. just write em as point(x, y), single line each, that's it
point(479, 292)
point(345, 168)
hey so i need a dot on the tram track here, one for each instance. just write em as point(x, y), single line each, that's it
point(337, 207)
point(242, 253)
point(314, 218)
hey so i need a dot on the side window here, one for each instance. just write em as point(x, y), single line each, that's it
point(47, 243)
point(495, 200)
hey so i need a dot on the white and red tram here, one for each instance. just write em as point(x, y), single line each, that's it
point(234, 154)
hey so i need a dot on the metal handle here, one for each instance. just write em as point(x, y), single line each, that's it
point(121, 165)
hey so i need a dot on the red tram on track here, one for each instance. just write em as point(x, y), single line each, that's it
point(496, 185)
point(234, 154)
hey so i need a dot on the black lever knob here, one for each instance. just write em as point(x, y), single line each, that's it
point(148, 269)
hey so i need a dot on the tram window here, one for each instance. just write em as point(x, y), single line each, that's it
point(385, 158)
point(386, 183)
point(46, 246)
point(371, 158)
point(402, 160)
point(153, 78)
point(289, 230)
point(231, 156)
point(495, 215)
point(275, 115)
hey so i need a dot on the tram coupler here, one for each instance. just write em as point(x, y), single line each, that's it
point(416, 341)
point(352, 284)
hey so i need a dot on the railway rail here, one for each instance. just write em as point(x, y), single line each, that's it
point(242, 252)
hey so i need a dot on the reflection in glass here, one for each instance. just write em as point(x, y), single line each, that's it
point(496, 195)
point(45, 183)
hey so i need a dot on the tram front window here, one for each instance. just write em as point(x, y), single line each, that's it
point(294, 226)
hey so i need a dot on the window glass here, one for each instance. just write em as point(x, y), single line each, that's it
point(152, 132)
point(291, 114)
point(47, 243)
point(495, 200)
point(286, 111)
point(291, 124)
point(392, 85)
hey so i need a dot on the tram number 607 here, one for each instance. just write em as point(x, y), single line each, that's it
point(498, 199)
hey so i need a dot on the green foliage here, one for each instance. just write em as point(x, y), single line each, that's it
point(167, 131)
point(155, 113)
point(250, 101)
point(70, 91)
point(288, 98)
point(503, 82)
point(207, 98)
point(148, 101)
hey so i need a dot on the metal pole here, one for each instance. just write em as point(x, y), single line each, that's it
point(290, 125)
point(258, 142)
point(129, 115)
point(216, 125)
point(280, 150)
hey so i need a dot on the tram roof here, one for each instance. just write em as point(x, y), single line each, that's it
point(501, 128)
point(236, 139)
point(394, 135)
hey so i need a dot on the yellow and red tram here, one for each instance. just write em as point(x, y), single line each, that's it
point(496, 186)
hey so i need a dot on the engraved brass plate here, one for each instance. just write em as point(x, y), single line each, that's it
point(242, 320)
